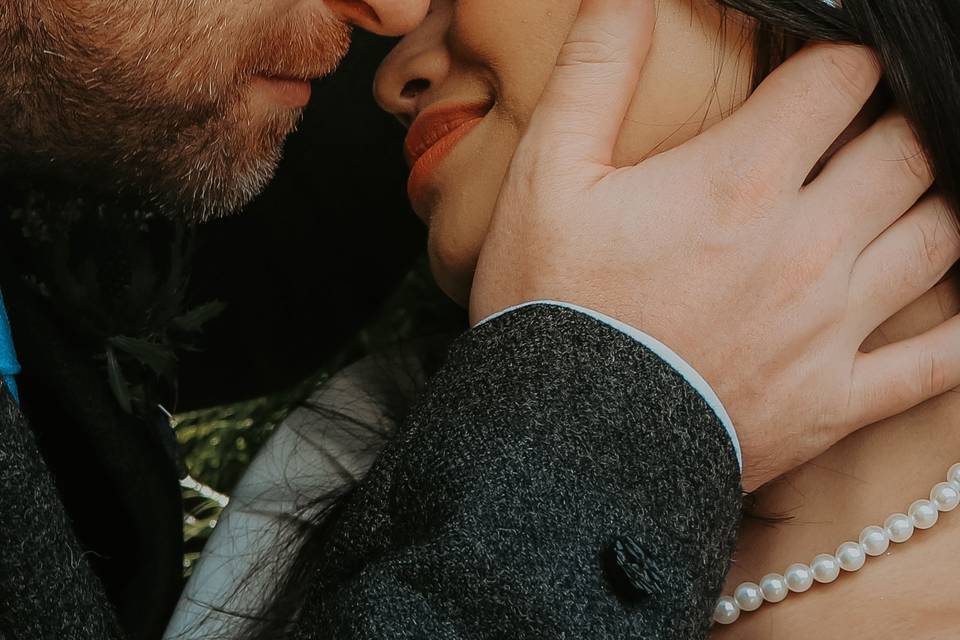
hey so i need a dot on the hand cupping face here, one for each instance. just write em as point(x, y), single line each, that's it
point(724, 236)
point(463, 64)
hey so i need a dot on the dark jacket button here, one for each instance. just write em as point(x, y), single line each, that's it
point(631, 571)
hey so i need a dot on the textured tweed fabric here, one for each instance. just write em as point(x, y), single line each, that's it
point(557, 481)
point(114, 473)
point(47, 590)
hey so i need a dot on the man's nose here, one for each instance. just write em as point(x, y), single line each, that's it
point(386, 17)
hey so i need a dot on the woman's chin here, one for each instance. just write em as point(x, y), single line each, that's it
point(453, 270)
point(452, 286)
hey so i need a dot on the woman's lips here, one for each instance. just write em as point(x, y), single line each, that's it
point(433, 136)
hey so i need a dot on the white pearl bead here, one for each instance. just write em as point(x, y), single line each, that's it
point(899, 527)
point(945, 496)
point(748, 596)
point(851, 556)
point(924, 514)
point(874, 540)
point(799, 577)
point(727, 611)
point(954, 474)
point(825, 568)
point(774, 587)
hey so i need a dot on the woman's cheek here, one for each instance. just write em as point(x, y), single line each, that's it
point(457, 234)
point(461, 220)
point(517, 41)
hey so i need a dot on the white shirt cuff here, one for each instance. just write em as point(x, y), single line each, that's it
point(663, 351)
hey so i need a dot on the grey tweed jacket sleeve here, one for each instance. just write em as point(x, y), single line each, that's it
point(558, 480)
point(47, 589)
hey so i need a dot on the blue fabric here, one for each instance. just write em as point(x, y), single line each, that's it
point(9, 366)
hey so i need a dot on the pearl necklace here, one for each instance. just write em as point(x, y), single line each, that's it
point(850, 556)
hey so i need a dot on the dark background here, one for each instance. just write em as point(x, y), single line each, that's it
point(315, 256)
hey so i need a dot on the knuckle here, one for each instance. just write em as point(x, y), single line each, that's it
point(949, 227)
point(927, 250)
point(596, 47)
point(948, 299)
point(938, 239)
point(850, 71)
point(931, 374)
point(909, 152)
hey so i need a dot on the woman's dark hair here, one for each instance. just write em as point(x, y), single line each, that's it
point(918, 46)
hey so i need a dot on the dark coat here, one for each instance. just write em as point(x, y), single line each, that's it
point(557, 480)
point(82, 486)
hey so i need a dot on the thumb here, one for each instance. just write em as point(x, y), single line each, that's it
point(598, 68)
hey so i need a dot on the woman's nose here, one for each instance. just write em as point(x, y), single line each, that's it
point(408, 74)
point(386, 17)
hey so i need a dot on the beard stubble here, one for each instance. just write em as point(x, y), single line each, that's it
point(167, 114)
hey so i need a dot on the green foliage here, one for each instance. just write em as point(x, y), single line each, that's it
point(219, 443)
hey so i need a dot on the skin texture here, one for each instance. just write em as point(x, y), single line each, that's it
point(168, 97)
point(468, 51)
point(911, 590)
point(694, 53)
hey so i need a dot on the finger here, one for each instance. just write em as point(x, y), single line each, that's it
point(794, 116)
point(872, 180)
point(905, 261)
point(900, 376)
point(586, 99)
point(932, 308)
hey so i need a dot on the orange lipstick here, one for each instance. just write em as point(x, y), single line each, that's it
point(433, 136)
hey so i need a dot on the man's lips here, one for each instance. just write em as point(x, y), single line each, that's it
point(433, 136)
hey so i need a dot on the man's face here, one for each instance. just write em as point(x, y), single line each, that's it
point(189, 101)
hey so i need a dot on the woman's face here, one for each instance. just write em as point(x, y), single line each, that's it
point(469, 77)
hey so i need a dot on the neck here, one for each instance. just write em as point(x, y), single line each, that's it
point(873, 473)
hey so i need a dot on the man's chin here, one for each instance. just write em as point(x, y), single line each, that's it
point(219, 197)
point(215, 201)
point(230, 165)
